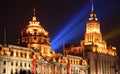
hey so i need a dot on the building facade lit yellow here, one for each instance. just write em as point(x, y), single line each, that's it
point(100, 57)
point(34, 55)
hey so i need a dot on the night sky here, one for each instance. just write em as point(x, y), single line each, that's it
point(56, 15)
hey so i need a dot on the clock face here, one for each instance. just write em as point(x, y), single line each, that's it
point(90, 26)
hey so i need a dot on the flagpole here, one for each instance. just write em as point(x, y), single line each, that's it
point(5, 36)
point(63, 47)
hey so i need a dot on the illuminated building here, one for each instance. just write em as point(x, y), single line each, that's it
point(34, 55)
point(101, 59)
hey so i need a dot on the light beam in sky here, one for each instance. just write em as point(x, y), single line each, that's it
point(76, 26)
point(112, 34)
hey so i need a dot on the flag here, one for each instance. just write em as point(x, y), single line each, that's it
point(68, 68)
point(34, 66)
point(90, 0)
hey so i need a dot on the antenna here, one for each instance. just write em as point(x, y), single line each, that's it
point(34, 17)
point(34, 11)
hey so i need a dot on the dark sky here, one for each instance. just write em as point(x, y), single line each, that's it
point(54, 16)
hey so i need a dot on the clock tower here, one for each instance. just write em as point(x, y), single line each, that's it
point(94, 48)
point(93, 35)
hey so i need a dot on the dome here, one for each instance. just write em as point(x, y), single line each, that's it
point(34, 36)
point(34, 28)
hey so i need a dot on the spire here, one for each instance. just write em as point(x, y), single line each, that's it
point(92, 13)
point(34, 11)
point(92, 6)
point(91, 1)
point(34, 17)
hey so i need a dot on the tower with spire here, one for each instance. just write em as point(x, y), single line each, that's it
point(100, 57)
point(93, 34)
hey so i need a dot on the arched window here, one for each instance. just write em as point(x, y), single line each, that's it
point(16, 63)
point(4, 63)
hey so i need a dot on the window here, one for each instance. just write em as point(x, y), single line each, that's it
point(20, 63)
point(64, 68)
point(25, 64)
point(21, 54)
point(25, 55)
point(4, 51)
point(0, 48)
point(29, 64)
point(12, 63)
point(4, 70)
point(29, 72)
point(17, 54)
point(16, 71)
point(16, 64)
point(11, 53)
point(4, 63)
point(11, 71)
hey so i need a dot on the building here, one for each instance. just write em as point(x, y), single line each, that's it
point(101, 59)
point(33, 55)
